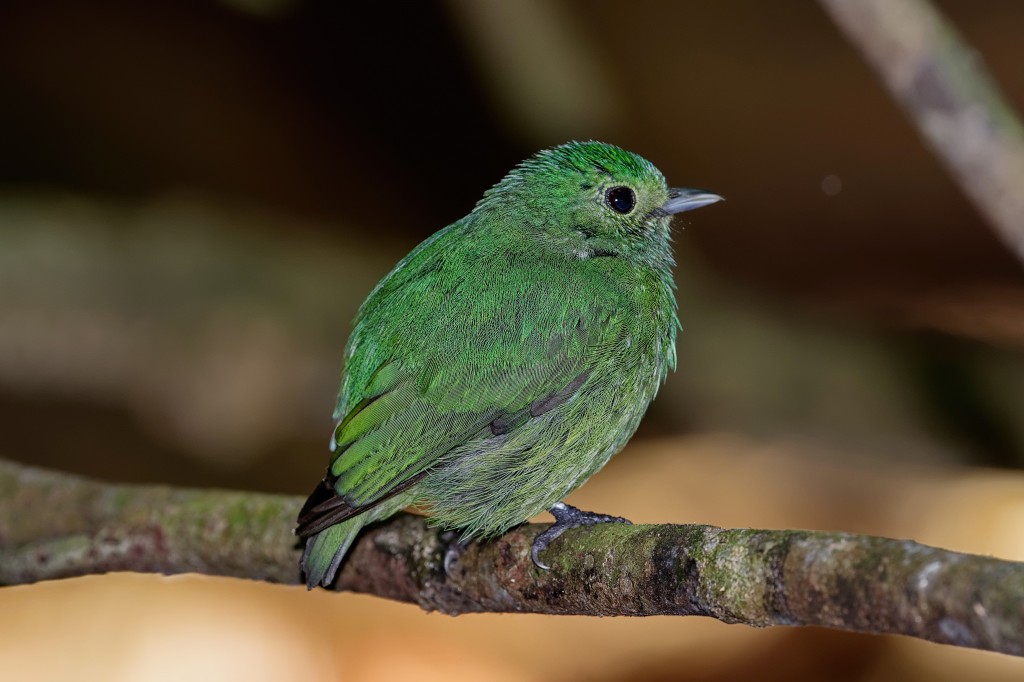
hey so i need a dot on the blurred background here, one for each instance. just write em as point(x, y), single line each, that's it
point(195, 196)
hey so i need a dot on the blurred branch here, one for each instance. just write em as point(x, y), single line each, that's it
point(218, 329)
point(218, 326)
point(959, 110)
point(544, 76)
point(55, 525)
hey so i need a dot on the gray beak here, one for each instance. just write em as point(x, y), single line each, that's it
point(680, 199)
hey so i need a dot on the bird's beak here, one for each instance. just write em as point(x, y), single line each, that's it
point(681, 199)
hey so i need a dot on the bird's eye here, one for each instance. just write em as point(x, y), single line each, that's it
point(620, 199)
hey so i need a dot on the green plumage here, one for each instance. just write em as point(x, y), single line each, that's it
point(507, 357)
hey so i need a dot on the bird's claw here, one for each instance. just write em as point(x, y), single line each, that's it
point(452, 552)
point(566, 517)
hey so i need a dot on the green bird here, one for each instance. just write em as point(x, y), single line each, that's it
point(503, 361)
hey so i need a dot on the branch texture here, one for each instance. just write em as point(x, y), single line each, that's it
point(56, 525)
point(957, 108)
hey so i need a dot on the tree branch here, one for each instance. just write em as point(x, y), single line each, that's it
point(56, 525)
point(957, 108)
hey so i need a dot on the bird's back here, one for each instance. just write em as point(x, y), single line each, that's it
point(523, 368)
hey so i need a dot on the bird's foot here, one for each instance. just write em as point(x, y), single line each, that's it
point(566, 517)
point(453, 551)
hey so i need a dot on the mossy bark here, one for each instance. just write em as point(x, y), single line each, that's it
point(56, 525)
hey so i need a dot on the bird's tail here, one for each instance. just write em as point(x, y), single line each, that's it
point(326, 549)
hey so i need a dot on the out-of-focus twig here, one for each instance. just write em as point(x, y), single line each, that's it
point(544, 76)
point(959, 110)
point(216, 331)
point(56, 525)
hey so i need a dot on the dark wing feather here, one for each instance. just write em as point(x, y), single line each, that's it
point(325, 507)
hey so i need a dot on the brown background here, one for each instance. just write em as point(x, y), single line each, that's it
point(195, 197)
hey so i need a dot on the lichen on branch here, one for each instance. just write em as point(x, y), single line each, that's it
point(55, 525)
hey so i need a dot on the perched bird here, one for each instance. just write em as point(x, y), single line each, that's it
point(505, 359)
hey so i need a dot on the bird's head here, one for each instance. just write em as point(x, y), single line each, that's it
point(595, 199)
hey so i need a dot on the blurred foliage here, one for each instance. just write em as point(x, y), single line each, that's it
point(196, 196)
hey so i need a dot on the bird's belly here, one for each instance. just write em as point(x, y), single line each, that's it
point(493, 483)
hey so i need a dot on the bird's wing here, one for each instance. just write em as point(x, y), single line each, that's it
point(484, 361)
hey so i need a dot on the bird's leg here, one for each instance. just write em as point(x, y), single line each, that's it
point(453, 550)
point(566, 517)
